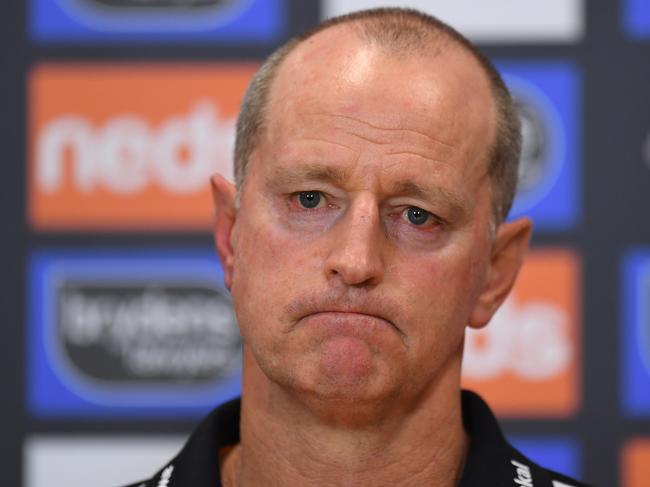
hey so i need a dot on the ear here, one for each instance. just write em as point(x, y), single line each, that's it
point(508, 252)
point(223, 196)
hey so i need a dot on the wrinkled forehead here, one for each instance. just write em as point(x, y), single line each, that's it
point(444, 93)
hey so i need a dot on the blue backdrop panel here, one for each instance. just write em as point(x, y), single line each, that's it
point(548, 94)
point(635, 328)
point(126, 21)
point(636, 18)
point(59, 387)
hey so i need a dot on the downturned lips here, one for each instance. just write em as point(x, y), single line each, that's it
point(353, 323)
point(345, 309)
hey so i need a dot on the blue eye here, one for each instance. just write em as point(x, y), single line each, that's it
point(417, 216)
point(309, 199)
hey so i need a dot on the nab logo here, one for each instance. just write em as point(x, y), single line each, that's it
point(122, 147)
point(119, 333)
point(546, 97)
point(635, 463)
point(636, 333)
point(526, 360)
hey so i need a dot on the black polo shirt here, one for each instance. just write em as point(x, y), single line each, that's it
point(491, 460)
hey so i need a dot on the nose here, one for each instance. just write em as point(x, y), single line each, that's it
point(357, 240)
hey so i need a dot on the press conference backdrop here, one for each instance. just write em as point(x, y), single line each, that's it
point(118, 333)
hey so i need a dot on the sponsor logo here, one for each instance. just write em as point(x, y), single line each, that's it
point(523, 475)
point(112, 148)
point(152, 331)
point(156, 20)
point(558, 454)
point(499, 21)
point(546, 95)
point(526, 361)
point(534, 162)
point(636, 333)
point(636, 18)
point(635, 463)
point(72, 460)
point(134, 333)
point(528, 340)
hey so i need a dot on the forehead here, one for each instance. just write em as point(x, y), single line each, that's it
point(335, 83)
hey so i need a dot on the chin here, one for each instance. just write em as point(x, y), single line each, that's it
point(336, 372)
point(347, 404)
point(344, 382)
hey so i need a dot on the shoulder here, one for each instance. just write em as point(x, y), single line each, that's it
point(492, 460)
point(197, 463)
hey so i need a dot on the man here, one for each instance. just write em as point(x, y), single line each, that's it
point(375, 162)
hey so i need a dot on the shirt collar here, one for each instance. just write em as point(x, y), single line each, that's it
point(490, 461)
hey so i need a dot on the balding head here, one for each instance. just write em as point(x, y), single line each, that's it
point(396, 33)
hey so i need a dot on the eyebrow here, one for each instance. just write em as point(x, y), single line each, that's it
point(313, 172)
point(407, 187)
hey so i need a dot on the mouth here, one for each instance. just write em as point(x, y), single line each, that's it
point(353, 323)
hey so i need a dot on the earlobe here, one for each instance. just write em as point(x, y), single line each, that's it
point(223, 196)
point(508, 252)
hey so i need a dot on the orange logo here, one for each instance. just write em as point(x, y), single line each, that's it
point(130, 146)
point(635, 463)
point(526, 361)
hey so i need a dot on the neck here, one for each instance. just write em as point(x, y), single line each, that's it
point(284, 442)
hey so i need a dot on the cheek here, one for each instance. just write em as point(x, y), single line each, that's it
point(270, 267)
point(439, 290)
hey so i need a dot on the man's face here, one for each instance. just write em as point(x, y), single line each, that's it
point(362, 240)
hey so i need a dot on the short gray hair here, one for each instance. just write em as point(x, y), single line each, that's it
point(404, 30)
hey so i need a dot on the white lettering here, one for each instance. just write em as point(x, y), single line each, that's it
point(127, 154)
point(122, 147)
point(524, 477)
point(198, 138)
point(557, 483)
point(67, 133)
point(531, 341)
point(154, 332)
point(165, 476)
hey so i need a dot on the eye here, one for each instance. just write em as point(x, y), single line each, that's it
point(310, 199)
point(417, 216)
